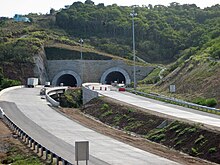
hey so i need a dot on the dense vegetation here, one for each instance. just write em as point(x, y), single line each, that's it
point(5, 82)
point(72, 98)
point(162, 33)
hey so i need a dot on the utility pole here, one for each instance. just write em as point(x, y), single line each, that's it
point(133, 14)
point(81, 56)
point(81, 44)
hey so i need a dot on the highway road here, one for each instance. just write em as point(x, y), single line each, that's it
point(58, 133)
point(174, 111)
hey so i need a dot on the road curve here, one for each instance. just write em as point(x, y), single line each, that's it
point(165, 108)
point(26, 108)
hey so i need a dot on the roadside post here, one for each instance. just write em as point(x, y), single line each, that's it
point(172, 88)
point(81, 151)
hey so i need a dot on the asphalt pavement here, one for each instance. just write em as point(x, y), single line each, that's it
point(174, 111)
point(58, 133)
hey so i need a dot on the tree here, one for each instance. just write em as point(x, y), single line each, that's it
point(89, 2)
point(101, 5)
point(52, 11)
point(169, 30)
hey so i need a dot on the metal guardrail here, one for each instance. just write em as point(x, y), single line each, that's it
point(28, 140)
point(34, 145)
point(175, 101)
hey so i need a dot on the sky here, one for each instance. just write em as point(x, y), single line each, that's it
point(8, 8)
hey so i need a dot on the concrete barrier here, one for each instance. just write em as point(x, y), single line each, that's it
point(88, 94)
point(9, 89)
point(90, 90)
point(52, 91)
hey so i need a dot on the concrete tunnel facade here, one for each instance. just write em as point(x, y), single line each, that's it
point(71, 78)
point(76, 72)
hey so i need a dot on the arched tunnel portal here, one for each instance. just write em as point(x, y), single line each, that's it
point(68, 78)
point(115, 74)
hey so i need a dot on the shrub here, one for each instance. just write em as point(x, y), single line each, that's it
point(211, 102)
point(200, 101)
point(212, 150)
point(105, 106)
point(158, 138)
point(72, 98)
point(194, 151)
point(107, 113)
point(5, 83)
point(200, 138)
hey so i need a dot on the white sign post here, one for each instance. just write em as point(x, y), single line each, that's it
point(172, 88)
point(82, 151)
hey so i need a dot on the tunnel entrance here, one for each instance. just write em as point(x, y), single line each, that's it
point(115, 76)
point(67, 80)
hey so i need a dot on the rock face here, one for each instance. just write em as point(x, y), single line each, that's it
point(40, 68)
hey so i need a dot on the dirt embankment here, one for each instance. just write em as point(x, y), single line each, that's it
point(190, 139)
point(126, 119)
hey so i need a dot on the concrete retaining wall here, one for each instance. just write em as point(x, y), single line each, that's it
point(88, 94)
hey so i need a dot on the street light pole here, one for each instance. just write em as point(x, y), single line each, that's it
point(81, 43)
point(133, 14)
point(81, 56)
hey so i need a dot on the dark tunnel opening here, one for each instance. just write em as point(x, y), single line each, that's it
point(67, 80)
point(115, 76)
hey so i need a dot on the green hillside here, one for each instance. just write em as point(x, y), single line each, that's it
point(183, 38)
point(195, 78)
point(162, 33)
point(20, 42)
point(196, 75)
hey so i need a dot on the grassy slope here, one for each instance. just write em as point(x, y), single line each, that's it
point(199, 76)
point(196, 80)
